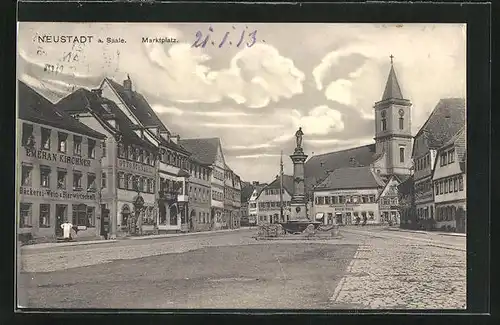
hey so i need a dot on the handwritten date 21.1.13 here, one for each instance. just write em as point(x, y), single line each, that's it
point(244, 38)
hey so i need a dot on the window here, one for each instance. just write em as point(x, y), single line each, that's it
point(402, 154)
point(401, 123)
point(62, 142)
point(61, 179)
point(121, 150)
point(79, 217)
point(147, 159)
point(45, 139)
point(45, 176)
point(428, 160)
point(446, 186)
point(103, 180)
point(104, 148)
point(90, 217)
point(77, 145)
point(77, 180)
point(91, 181)
point(436, 192)
point(371, 215)
point(44, 219)
point(25, 215)
point(341, 199)
point(152, 186)
point(138, 155)
point(451, 156)
point(384, 124)
point(460, 183)
point(26, 175)
point(28, 137)
point(145, 185)
point(450, 182)
point(121, 180)
point(91, 148)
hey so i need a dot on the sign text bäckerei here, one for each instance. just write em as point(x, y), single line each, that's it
point(51, 156)
point(60, 194)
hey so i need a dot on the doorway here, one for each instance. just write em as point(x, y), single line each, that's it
point(61, 213)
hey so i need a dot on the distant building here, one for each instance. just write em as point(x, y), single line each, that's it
point(209, 152)
point(406, 200)
point(389, 158)
point(246, 192)
point(253, 207)
point(199, 195)
point(58, 170)
point(269, 204)
point(348, 194)
point(449, 179)
point(447, 118)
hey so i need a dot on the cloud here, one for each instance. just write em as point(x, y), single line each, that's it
point(167, 110)
point(255, 146)
point(256, 156)
point(237, 126)
point(320, 120)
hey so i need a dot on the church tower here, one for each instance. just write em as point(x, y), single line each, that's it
point(393, 127)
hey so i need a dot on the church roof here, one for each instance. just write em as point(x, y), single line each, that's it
point(392, 89)
point(317, 167)
point(350, 178)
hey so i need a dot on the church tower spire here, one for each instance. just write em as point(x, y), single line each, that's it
point(393, 127)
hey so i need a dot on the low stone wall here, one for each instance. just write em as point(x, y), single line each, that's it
point(276, 231)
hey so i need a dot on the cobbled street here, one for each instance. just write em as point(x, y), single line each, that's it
point(365, 269)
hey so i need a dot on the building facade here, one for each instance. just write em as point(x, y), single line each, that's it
point(449, 179)
point(58, 170)
point(348, 194)
point(199, 196)
point(129, 162)
point(268, 201)
point(388, 201)
point(232, 198)
point(406, 200)
point(446, 119)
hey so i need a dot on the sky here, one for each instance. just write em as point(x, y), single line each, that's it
point(322, 77)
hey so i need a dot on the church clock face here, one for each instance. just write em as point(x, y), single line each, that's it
point(401, 112)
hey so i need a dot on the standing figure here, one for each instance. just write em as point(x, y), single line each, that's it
point(298, 136)
point(66, 227)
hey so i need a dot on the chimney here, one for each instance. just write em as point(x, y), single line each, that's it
point(127, 84)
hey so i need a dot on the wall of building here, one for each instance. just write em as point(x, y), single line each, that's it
point(269, 206)
point(33, 193)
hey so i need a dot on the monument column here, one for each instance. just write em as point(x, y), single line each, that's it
point(298, 202)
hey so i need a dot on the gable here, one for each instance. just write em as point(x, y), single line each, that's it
point(109, 93)
point(219, 157)
point(391, 188)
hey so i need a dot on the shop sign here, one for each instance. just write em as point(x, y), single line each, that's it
point(59, 194)
point(344, 209)
point(132, 165)
point(57, 157)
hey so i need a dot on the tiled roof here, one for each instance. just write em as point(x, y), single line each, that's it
point(139, 105)
point(459, 141)
point(350, 178)
point(287, 184)
point(141, 109)
point(317, 167)
point(36, 108)
point(246, 191)
point(392, 89)
point(445, 120)
point(203, 150)
point(406, 186)
point(83, 100)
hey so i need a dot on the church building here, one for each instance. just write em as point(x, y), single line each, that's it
point(382, 165)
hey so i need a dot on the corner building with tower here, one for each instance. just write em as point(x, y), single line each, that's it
point(361, 183)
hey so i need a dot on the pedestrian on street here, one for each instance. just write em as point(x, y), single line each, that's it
point(66, 227)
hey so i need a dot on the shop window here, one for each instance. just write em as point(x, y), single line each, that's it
point(79, 217)
point(460, 183)
point(62, 142)
point(45, 176)
point(61, 179)
point(371, 215)
point(25, 215)
point(44, 218)
point(77, 181)
point(26, 172)
point(77, 145)
point(45, 139)
point(91, 148)
point(27, 137)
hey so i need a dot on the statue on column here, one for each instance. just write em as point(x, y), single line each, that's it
point(298, 135)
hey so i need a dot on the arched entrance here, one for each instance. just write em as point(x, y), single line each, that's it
point(173, 215)
point(192, 217)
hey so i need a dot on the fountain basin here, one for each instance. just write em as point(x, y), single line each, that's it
point(298, 226)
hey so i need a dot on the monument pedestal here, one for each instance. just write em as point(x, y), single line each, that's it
point(298, 202)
